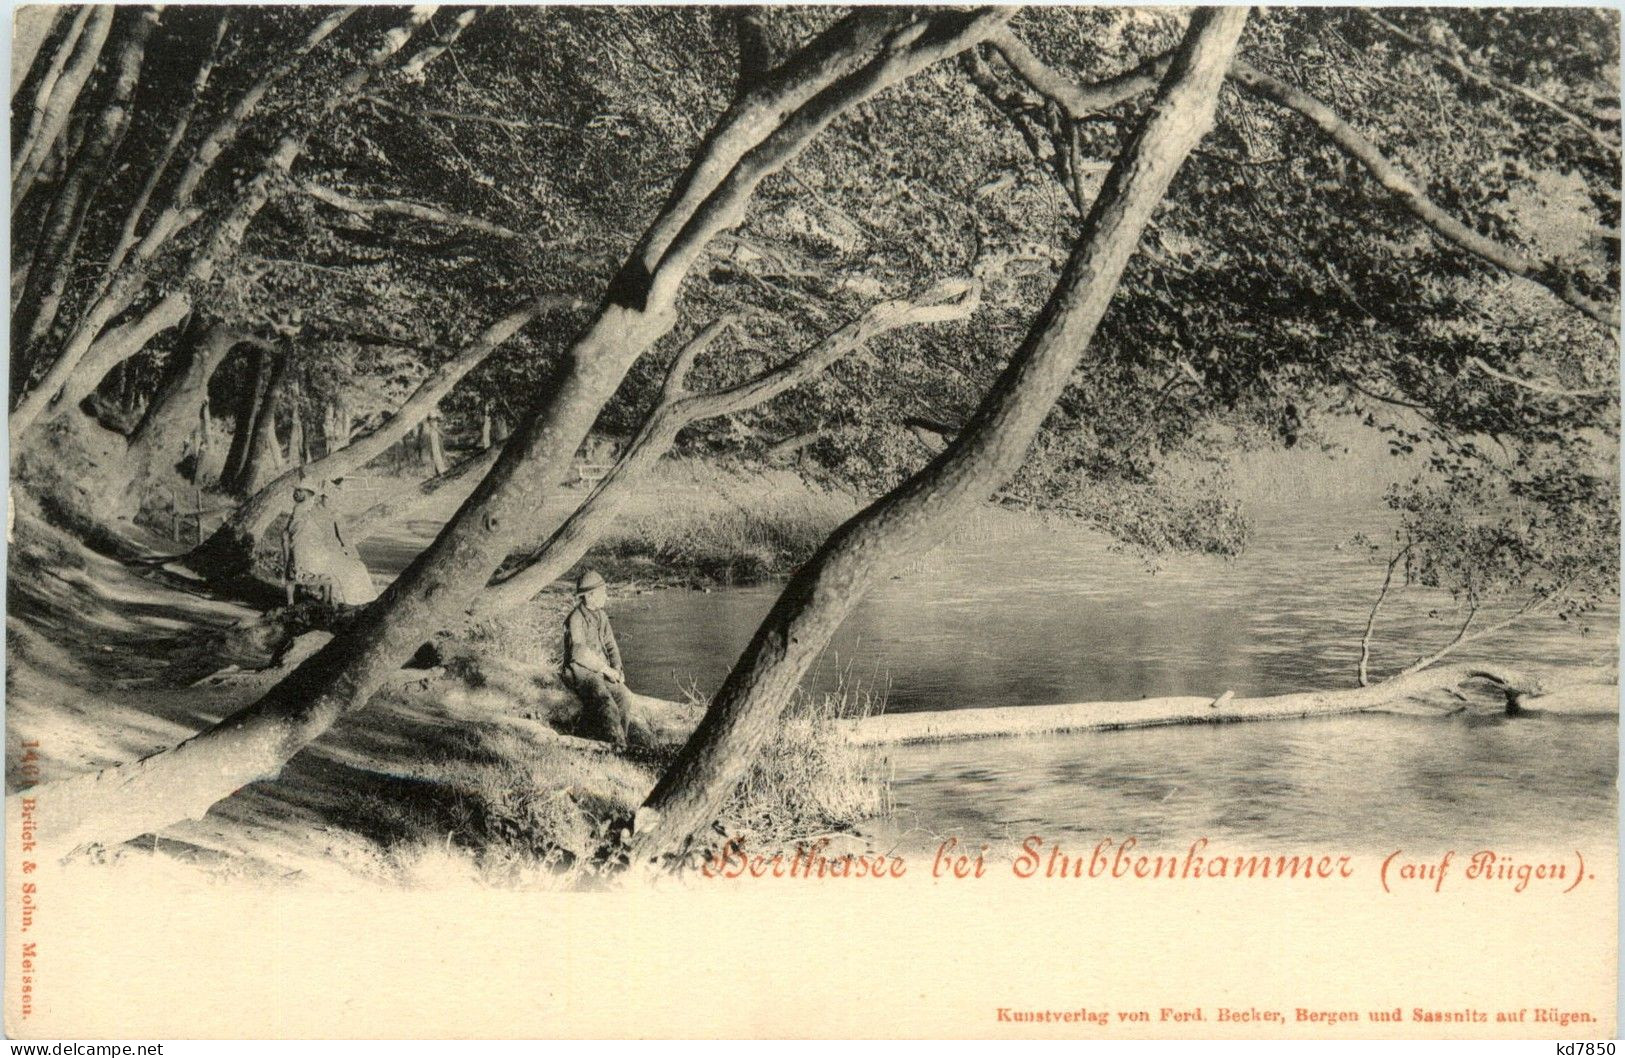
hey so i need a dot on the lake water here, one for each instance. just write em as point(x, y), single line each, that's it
point(1012, 613)
point(1017, 612)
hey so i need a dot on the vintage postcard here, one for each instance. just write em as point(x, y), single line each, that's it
point(813, 521)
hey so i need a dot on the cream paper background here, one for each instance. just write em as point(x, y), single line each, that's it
point(131, 954)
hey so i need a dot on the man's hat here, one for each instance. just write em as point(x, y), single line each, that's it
point(588, 581)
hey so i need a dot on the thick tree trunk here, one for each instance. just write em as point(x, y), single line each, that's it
point(263, 460)
point(183, 394)
point(250, 402)
point(123, 802)
point(920, 513)
point(787, 448)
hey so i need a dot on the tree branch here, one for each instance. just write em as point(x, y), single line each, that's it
point(1537, 387)
point(1353, 143)
point(831, 57)
point(677, 373)
point(405, 208)
point(948, 300)
point(32, 24)
point(1371, 621)
point(1479, 77)
point(1535, 604)
point(177, 134)
point(1080, 101)
point(412, 69)
point(80, 183)
point(905, 53)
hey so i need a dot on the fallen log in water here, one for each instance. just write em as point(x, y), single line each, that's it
point(1430, 690)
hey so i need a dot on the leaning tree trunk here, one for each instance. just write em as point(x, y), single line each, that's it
point(922, 511)
point(848, 64)
point(87, 354)
point(54, 255)
point(51, 114)
point(229, 551)
point(946, 301)
point(31, 25)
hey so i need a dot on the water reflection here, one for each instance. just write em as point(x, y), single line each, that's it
point(1028, 615)
point(1361, 783)
point(1013, 613)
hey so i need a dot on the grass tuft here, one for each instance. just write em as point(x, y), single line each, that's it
point(809, 779)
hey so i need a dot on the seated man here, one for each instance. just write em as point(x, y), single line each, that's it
point(592, 668)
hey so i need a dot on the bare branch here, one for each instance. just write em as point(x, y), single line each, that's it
point(1079, 101)
point(1371, 621)
point(412, 69)
point(1537, 387)
point(1536, 604)
point(403, 207)
point(677, 373)
point(1479, 77)
point(831, 57)
point(907, 52)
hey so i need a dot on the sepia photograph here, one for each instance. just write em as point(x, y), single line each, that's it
point(597, 487)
